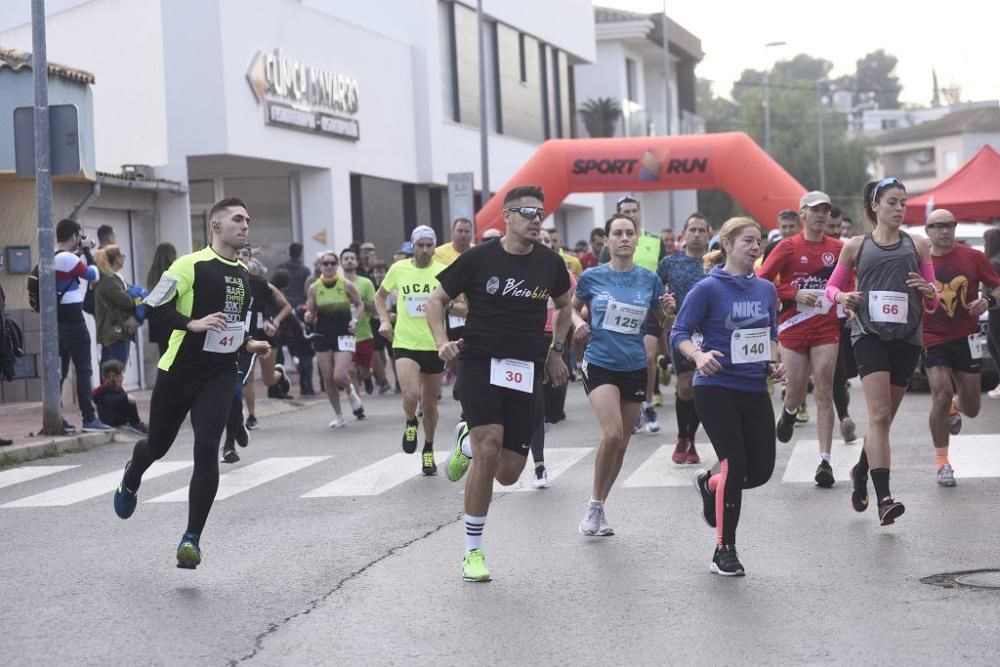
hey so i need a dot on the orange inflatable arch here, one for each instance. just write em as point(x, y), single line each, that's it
point(729, 161)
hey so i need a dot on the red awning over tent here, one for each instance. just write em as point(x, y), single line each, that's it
point(972, 193)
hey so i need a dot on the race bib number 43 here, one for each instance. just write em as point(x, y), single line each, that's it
point(748, 346)
point(224, 342)
point(416, 306)
point(513, 374)
point(888, 306)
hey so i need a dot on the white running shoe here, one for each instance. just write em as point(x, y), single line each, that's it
point(994, 392)
point(541, 480)
point(338, 422)
point(352, 396)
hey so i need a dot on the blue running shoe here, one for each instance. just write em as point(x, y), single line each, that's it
point(125, 499)
point(188, 552)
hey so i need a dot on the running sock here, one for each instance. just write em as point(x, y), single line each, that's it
point(428, 446)
point(687, 418)
point(693, 422)
point(880, 480)
point(863, 461)
point(787, 416)
point(941, 456)
point(825, 456)
point(596, 503)
point(474, 532)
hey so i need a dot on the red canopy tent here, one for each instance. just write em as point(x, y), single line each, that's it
point(972, 193)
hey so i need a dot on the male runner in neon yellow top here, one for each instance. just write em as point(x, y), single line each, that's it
point(418, 365)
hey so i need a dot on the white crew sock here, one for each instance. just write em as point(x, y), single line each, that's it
point(474, 532)
point(825, 456)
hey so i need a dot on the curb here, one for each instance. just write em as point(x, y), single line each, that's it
point(44, 448)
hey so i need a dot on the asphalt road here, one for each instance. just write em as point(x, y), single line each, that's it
point(340, 578)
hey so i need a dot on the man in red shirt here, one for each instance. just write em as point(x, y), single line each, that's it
point(808, 329)
point(951, 333)
point(598, 239)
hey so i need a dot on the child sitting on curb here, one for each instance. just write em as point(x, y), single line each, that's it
point(114, 407)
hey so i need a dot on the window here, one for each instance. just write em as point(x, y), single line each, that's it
point(557, 92)
point(543, 70)
point(523, 59)
point(631, 82)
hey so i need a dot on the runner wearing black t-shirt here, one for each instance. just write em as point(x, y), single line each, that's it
point(502, 356)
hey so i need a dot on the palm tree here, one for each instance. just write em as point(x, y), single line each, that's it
point(600, 116)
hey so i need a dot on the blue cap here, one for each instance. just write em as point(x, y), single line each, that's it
point(406, 248)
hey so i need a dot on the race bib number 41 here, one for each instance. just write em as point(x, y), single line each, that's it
point(888, 306)
point(224, 342)
point(624, 318)
point(749, 346)
point(513, 374)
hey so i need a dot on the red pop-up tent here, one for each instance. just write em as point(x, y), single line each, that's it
point(972, 193)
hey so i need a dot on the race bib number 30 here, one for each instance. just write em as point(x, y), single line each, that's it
point(513, 374)
point(888, 306)
point(624, 318)
point(416, 306)
point(224, 342)
point(749, 346)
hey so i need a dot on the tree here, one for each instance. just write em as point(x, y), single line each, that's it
point(720, 115)
point(874, 75)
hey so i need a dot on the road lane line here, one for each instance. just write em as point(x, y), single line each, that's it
point(246, 478)
point(659, 470)
point(18, 475)
point(557, 461)
point(93, 487)
point(378, 477)
point(801, 468)
point(972, 456)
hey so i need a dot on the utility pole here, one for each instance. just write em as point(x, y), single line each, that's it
point(51, 416)
point(484, 139)
point(668, 106)
point(819, 137)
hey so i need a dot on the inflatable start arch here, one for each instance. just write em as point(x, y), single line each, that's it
point(728, 161)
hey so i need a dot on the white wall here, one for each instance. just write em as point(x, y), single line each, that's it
point(127, 65)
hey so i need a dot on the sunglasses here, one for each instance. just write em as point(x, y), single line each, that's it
point(884, 183)
point(528, 212)
point(942, 225)
point(328, 263)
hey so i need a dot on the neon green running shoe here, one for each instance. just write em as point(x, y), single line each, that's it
point(474, 566)
point(188, 552)
point(458, 462)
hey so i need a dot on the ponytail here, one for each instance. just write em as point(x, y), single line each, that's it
point(713, 259)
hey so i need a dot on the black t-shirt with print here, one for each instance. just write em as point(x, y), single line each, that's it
point(508, 299)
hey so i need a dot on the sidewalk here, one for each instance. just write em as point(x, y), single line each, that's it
point(21, 423)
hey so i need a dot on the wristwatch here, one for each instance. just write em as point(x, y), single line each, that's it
point(558, 347)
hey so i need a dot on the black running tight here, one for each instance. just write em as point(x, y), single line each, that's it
point(741, 427)
point(207, 400)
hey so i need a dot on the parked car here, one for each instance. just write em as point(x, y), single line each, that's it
point(971, 234)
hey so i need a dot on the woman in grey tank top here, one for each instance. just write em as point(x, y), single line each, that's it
point(894, 276)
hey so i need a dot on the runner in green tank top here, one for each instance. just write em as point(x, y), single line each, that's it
point(331, 304)
point(418, 365)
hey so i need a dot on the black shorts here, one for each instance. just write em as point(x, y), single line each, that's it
point(682, 364)
point(484, 404)
point(455, 334)
point(899, 358)
point(323, 343)
point(653, 326)
point(631, 384)
point(954, 354)
point(428, 360)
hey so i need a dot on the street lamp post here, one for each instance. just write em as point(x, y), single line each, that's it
point(767, 99)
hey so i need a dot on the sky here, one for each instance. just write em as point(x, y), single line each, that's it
point(960, 40)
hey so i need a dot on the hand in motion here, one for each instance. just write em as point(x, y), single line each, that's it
point(385, 329)
point(917, 281)
point(213, 322)
point(776, 371)
point(850, 300)
point(556, 373)
point(707, 362)
point(582, 333)
point(450, 350)
point(806, 299)
point(259, 347)
point(978, 307)
point(668, 302)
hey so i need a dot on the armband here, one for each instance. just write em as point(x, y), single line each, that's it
point(990, 300)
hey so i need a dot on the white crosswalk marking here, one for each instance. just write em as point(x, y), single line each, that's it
point(18, 475)
point(93, 487)
point(972, 456)
point(557, 461)
point(659, 470)
point(802, 463)
point(378, 477)
point(244, 479)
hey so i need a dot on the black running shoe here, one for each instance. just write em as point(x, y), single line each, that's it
point(889, 510)
point(428, 467)
point(859, 494)
point(251, 422)
point(229, 455)
point(785, 427)
point(410, 436)
point(726, 562)
point(707, 497)
point(242, 437)
point(824, 475)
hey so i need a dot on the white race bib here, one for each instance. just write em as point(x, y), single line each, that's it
point(513, 374)
point(623, 318)
point(456, 322)
point(841, 313)
point(346, 343)
point(823, 306)
point(697, 339)
point(888, 306)
point(977, 343)
point(224, 342)
point(416, 306)
point(749, 346)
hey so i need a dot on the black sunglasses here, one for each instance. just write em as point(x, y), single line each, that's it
point(942, 225)
point(528, 212)
point(328, 263)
